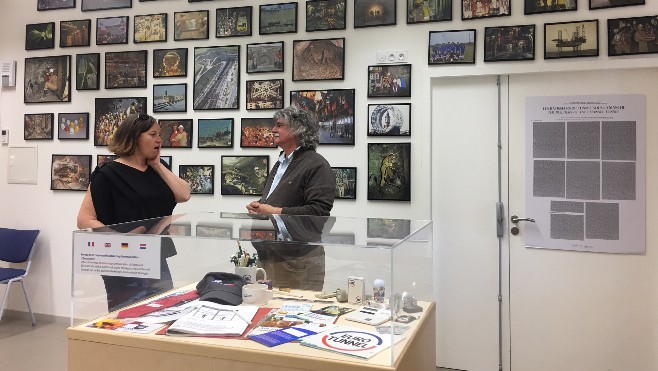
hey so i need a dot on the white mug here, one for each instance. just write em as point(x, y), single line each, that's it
point(256, 293)
point(249, 273)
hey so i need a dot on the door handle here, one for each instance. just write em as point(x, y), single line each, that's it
point(515, 219)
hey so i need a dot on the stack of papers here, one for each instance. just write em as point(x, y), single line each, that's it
point(208, 318)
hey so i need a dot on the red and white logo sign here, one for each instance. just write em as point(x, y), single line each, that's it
point(351, 341)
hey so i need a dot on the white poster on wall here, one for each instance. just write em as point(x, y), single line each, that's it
point(585, 173)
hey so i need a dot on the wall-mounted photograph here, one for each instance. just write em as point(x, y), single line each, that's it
point(176, 133)
point(571, 39)
point(473, 9)
point(277, 18)
point(70, 172)
point(125, 69)
point(110, 112)
point(112, 30)
point(323, 15)
point(150, 28)
point(265, 57)
point(40, 36)
point(601, 4)
point(74, 33)
point(627, 36)
point(256, 132)
point(201, 178)
point(55, 4)
point(452, 47)
point(244, 175)
point(420, 11)
point(256, 234)
point(373, 13)
point(345, 182)
point(389, 119)
point(334, 110)
point(264, 94)
point(217, 69)
point(191, 25)
point(167, 161)
point(88, 5)
point(170, 97)
point(215, 133)
point(170, 62)
point(73, 126)
point(47, 79)
point(552, 6)
point(321, 59)
point(87, 71)
point(104, 159)
point(233, 21)
point(393, 80)
point(510, 43)
point(389, 171)
point(38, 126)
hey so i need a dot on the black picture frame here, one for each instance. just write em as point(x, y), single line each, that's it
point(429, 11)
point(167, 161)
point(112, 30)
point(192, 25)
point(70, 172)
point(73, 126)
point(325, 15)
point(55, 4)
point(91, 5)
point(385, 13)
point(87, 71)
point(256, 132)
point(38, 126)
point(334, 109)
point(345, 182)
point(481, 11)
point(215, 133)
point(104, 159)
point(389, 80)
point(603, 4)
point(389, 171)
point(232, 22)
point(110, 112)
point(623, 33)
point(265, 57)
point(150, 28)
point(264, 94)
point(389, 120)
point(580, 39)
point(277, 18)
point(452, 47)
point(305, 63)
point(545, 6)
point(244, 175)
point(46, 79)
point(201, 178)
point(500, 45)
point(176, 133)
point(74, 33)
point(170, 97)
point(40, 36)
point(170, 62)
point(226, 61)
point(126, 69)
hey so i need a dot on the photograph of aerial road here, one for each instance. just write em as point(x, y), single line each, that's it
point(216, 77)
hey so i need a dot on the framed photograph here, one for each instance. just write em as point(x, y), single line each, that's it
point(191, 25)
point(40, 36)
point(167, 161)
point(73, 126)
point(55, 4)
point(217, 69)
point(452, 47)
point(264, 94)
point(88, 5)
point(510, 43)
point(215, 231)
point(389, 119)
point(428, 11)
point(277, 18)
point(234, 21)
point(392, 80)
point(170, 98)
point(545, 6)
point(345, 182)
point(256, 132)
point(265, 57)
point(321, 59)
point(87, 71)
point(110, 112)
point(180, 229)
point(74, 33)
point(125, 69)
point(627, 36)
point(244, 175)
point(215, 133)
point(46, 79)
point(150, 28)
point(38, 126)
point(176, 133)
point(601, 4)
point(334, 110)
point(256, 234)
point(323, 15)
point(389, 171)
point(473, 9)
point(200, 177)
point(571, 39)
point(104, 159)
point(170, 62)
point(388, 228)
point(372, 14)
point(70, 172)
point(112, 30)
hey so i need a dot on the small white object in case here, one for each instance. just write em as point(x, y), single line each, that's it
point(369, 315)
point(356, 290)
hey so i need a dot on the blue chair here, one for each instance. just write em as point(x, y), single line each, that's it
point(16, 246)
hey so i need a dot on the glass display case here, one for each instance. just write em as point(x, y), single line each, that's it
point(379, 264)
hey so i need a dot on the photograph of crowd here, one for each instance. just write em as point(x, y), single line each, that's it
point(73, 125)
point(38, 126)
point(150, 28)
point(428, 11)
point(322, 15)
point(452, 47)
point(110, 112)
point(234, 21)
point(176, 133)
point(200, 177)
point(244, 175)
point(47, 79)
point(215, 133)
point(216, 77)
point(334, 110)
point(632, 36)
point(389, 119)
point(265, 57)
point(70, 172)
point(256, 132)
point(473, 9)
point(277, 18)
point(170, 62)
point(322, 59)
point(372, 13)
point(87, 71)
point(55, 4)
point(264, 94)
point(40, 36)
point(389, 175)
point(509, 43)
point(389, 81)
point(125, 69)
point(112, 30)
point(191, 25)
point(345, 182)
point(105, 4)
point(549, 6)
point(74, 33)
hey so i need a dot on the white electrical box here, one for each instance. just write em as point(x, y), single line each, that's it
point(8, 73)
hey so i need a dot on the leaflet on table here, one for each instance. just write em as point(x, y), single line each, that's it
point(169, 314)
point(352, 341)
point(286, 335)
point(333, 310)
point(284, 317)
point(317, 318)
point(208, 318)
